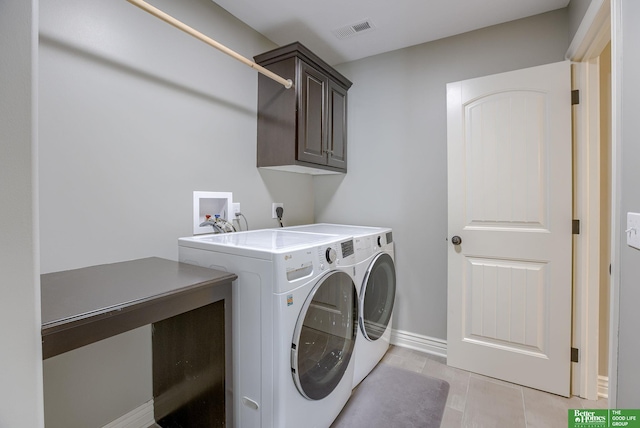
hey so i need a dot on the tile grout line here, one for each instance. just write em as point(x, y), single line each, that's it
point(524, 408)
point(466, 398)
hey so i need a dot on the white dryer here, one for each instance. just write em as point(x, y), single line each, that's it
point(294, 323)
point(376, 281)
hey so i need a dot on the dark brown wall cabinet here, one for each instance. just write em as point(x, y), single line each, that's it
point(302, 129)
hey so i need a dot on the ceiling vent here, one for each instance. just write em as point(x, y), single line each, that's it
point(353, 29)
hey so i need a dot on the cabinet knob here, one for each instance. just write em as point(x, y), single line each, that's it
point(456, 240)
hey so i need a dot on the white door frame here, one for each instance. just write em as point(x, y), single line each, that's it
point(616, 176)
point(591, 38)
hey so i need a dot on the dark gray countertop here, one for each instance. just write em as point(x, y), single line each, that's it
point(82, 306)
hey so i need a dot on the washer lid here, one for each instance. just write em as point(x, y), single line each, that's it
point(267, 241)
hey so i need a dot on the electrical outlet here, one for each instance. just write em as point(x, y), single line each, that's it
point(273, 208)
point(235, 209)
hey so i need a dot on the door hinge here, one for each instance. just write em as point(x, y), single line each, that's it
point(575, 227)
point(574, 355)
point(575, 97)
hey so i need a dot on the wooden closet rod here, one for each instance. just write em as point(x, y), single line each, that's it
point(287, 83)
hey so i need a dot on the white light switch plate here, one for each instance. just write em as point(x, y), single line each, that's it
point(633, 230)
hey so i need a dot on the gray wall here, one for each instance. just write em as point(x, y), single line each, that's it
point(21, 355)
point(134, 116)
point(628, 392)
point(398, 149)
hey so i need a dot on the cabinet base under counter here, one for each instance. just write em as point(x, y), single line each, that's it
point(189, 369)
point(189, 308)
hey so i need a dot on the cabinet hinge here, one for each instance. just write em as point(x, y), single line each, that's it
point(575, 227)
point(574, 355)
point(575, 97)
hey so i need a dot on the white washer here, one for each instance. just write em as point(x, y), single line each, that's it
point(376, 283)
point(294, 323)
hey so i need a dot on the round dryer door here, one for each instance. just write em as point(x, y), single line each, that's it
point(325, 335)
point(377, 296)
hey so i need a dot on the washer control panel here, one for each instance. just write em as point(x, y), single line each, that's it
point(303, 263)
point(330, 255)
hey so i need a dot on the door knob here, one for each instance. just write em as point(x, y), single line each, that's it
point(456, 240)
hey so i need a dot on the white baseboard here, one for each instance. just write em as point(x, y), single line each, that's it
point(603, 386)
point(429, 345)
point(140, 417)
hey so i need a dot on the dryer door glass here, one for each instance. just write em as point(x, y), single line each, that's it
point(325, 335)
point(377, 296)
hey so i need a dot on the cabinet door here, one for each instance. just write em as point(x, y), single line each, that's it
point(337, 137)
point(312, 116)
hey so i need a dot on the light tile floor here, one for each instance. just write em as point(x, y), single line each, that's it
point(477, 401)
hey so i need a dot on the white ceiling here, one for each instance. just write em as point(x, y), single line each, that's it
point(397, 23)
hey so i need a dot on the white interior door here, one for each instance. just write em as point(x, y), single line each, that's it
point(510, 202)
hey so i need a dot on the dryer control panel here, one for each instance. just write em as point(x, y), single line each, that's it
point(384, 239)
